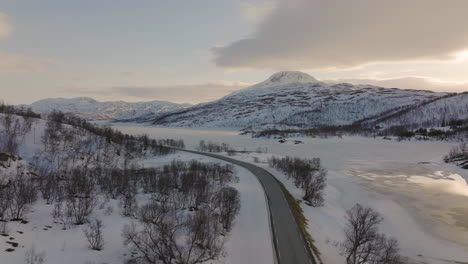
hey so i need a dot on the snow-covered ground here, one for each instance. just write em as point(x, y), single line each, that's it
point(422, 199)
point(248, 242)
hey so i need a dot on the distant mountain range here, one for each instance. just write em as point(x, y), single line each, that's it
point(286, 100)
point(91, 109)
point(295, 100)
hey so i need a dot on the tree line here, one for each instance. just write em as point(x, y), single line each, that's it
point(458, 155)
point(214, 147)
point(309, 175)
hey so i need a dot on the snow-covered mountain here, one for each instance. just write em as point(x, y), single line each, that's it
point(286, 77)
point(295, 99)
point(91, 109)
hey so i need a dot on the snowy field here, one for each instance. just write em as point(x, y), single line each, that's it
point(248, 242)
point(423, 200)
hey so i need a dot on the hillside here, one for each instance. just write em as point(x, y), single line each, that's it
point(437, 113)
point(294, 100)
point(73, 190)
point(91, 109)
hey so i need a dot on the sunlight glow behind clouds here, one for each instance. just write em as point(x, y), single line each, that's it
point(462, 56)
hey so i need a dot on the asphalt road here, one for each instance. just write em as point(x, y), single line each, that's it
point(289, 242)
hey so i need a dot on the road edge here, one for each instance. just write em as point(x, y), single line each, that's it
point(298, 213)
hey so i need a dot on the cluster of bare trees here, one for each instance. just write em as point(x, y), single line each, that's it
point(16, 197)
point(306, 174)
point(80, 197)
point(132, 144)
point(363, 243)
point(189, 185)
point(17, 190)
point(459, 155)
point(163, 236)
point(179, 143)
point(19, 111)
point(214, 147)
point(201, 188)
point(73, 194)
point(14, 130)
point(93, 233)
point(227, 200)
point(168, 233)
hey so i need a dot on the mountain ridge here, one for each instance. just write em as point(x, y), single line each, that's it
point(91, 109)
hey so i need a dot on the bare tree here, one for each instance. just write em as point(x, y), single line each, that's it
point(5, 201)
point(80, 198)
point(93, 233)
point(389, 251)
point(7, 122)
point(8, 139)
point(21, 193)
point(227, 200)
point(313, 186)
point(128, 202)
point(307, 174)
point(168, 237)
point(363, 243)
point(201, 190)
point(458, 154)
point(48, 187)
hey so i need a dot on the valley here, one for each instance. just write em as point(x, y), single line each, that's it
point(234, 132)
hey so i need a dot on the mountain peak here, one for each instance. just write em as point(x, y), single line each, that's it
point(287, 77)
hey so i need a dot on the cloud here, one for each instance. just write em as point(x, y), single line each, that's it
point(183, 93)
point(257, 12)
point(317, 34)
point(5, 27)
point(417, 83)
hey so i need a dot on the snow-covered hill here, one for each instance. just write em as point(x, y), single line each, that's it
point(294, 99)
point(286, 77)
point(431, 114)
point(91, 109)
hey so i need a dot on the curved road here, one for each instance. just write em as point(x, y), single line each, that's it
point(289, 242)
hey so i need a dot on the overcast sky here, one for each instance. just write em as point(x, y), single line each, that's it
point(196, 51)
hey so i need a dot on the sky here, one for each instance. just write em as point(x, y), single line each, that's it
point(200, 50)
